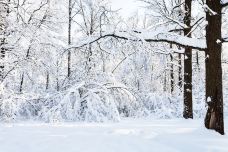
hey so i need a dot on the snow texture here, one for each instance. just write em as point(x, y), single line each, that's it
point(127, 136)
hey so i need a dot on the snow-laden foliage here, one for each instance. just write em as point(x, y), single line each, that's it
point(16, 107)
point(98, 100)
point(163, 105)
point(79, 103)
point(93, 102)
point(111, 77)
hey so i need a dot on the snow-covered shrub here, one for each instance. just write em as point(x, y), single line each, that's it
point(15, 107)
point(7, 111)
point(125, 99)
point(83, 102)
point(96, 100)
point(163, 105)
point(171, 106)
point(127, 103)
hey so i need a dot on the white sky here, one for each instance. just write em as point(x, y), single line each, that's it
point(127, 6)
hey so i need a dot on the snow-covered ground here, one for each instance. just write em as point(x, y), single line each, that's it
point(129, 135)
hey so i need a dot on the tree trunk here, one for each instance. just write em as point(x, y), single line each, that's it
point(47, 81)
point(21, 83)
point(197, 59)
point(165, 82)
point(180, 76)
point(89, 59)
point(188, 110)
point(57, 77)
point(171, 73)
point(4, 12)
point(22, 77)
point(214, 93)
point(69, 39)
point(180, 71)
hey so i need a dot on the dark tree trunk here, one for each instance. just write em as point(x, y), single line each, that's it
point(22, 77)
point(47, 81)
point(2, 56)
point(214, 93)
point(180, 71)
point(4, 12)
point(197, 59)
point(171, 73)
point(89, 60)
point(69, 39)
point(57, 77)
point(21, 83)
point(188, 110)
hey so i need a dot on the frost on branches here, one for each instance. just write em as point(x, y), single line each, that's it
point(78, 60)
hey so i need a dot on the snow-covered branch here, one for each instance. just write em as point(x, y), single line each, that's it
point(148, 36)
point(225, 39)
point(208, 9)
point(224, 3)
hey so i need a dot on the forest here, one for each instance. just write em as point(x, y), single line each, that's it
point(81, 62)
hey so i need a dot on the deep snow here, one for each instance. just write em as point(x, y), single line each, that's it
point(129, 135)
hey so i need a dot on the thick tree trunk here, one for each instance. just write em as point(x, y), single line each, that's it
point(214, 93)
point(188, 110)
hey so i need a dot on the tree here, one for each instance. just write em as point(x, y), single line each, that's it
point(175, 15)
point(188, 112)
point(93, 17)
point(4, 12)
point(171, 72)
point(214, 92)
point(71, 15)
point(31, 20)
point(69, 37)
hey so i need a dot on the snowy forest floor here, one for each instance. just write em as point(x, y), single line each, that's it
point(129, 135)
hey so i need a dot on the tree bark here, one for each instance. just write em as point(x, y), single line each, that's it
point(180, 71)
point(171, 73)
point(57, 76)
point(69, 39)
point(47, 81)
point(21, 83)
point(188, 110)
point(214, 93)
point(4, 12)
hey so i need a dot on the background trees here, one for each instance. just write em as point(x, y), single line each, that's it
point(78, 60)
